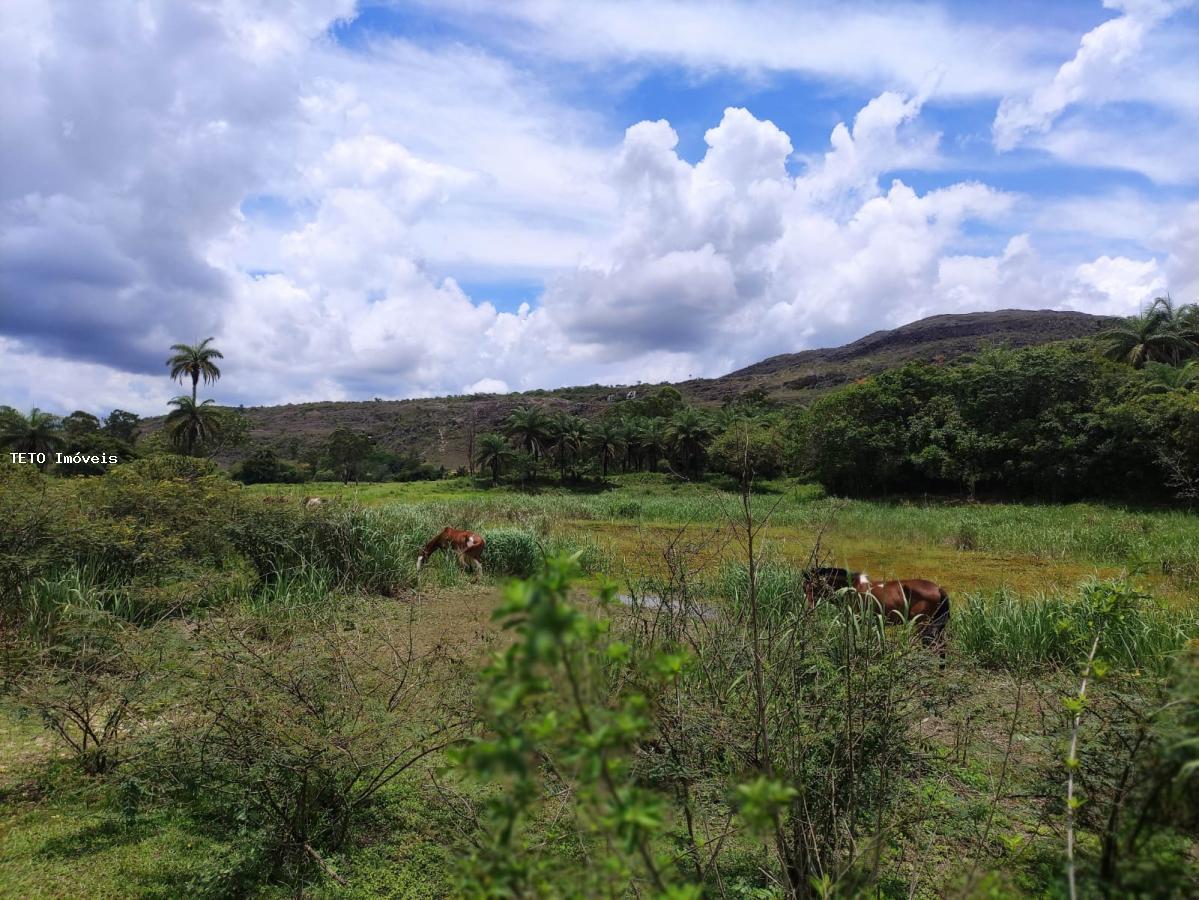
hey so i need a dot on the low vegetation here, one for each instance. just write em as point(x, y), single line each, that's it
point(240, 697)
point(211, 688)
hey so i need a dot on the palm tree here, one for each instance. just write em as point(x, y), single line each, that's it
point(1161, 378)
point(631, 427)
point(1187, 321)
point(567, 435)
point(492, 450)
point(1182, 321)
point(529, 426)
point(195, 363)
point(191, 424)
point(39, 432)
point(653, 442)
point(1152, 336)
point(688, 434)
point(726, 417)
point(607, 441)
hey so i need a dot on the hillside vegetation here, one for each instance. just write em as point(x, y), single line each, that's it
point(434, 429)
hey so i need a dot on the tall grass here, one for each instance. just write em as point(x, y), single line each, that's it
point(374, 551)
point(779, 588)
point(45, 601)
point(83, 589)
point(1001, 630)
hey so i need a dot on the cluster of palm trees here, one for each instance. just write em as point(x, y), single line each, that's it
point(1164, 333)
point(569, 442)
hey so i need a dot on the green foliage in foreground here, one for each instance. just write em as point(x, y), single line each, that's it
point(597, 755)
point(219, 701)
point(550, 697)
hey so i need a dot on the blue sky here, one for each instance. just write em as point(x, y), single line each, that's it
point(405, 198)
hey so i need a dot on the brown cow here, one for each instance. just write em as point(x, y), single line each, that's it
point(468, 545)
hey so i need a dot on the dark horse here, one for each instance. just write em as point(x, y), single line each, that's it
point(918, 599)
point(822, 582)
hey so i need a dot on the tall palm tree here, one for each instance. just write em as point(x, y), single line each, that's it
point(607, 441)
point(1151, 336)
point(688, 434)
point(189, 425)
point(38, 432)
point(195, 363)
point(492, 450)
point(529, 426)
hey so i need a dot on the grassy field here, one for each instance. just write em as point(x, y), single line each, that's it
point(978, 811)
point(967, 547)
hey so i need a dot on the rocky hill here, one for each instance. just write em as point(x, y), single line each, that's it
point(435, 428)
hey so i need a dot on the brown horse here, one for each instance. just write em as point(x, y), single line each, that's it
point(917, 599)
point(468, 545)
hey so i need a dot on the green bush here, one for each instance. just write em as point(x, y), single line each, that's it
point(153, 533)
point(510, 551)
point(290, 742)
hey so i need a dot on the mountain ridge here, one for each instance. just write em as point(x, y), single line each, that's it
point(435, 427)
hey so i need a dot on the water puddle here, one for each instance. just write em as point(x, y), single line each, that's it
point(653, 601)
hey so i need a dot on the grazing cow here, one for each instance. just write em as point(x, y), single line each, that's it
point(314, 502)
point(915, 598)
point(468, 545)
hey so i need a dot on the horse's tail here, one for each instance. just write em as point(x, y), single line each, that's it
point(939, 622)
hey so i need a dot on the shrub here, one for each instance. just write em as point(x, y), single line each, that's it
point(294, 739)
point(748, 445)
point(92, 684)
point(146, 530)
point(554, 721)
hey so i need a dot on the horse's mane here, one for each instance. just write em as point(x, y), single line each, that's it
point(437, 543)
point(828, 573)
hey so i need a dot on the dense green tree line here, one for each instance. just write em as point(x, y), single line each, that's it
point(1054, 422)
point(1115, 417)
